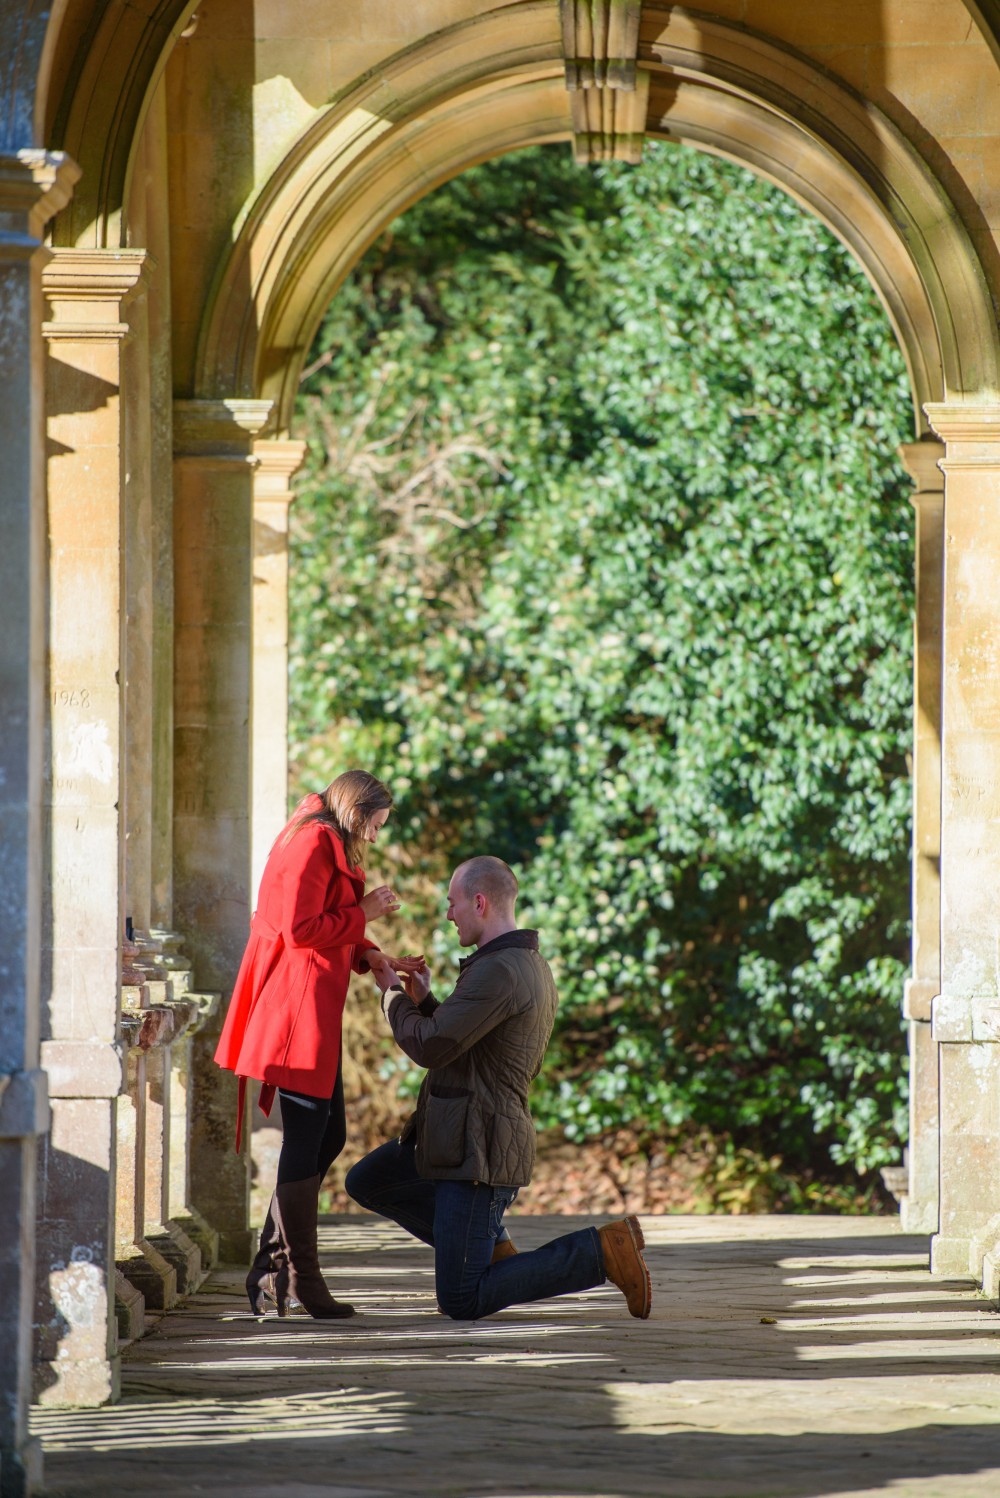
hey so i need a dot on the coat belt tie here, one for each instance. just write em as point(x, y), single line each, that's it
point(265, 1101)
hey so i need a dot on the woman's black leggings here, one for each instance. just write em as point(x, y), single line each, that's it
point(313, 1132)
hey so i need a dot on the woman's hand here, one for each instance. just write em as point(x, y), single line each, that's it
point(379, 902)
point(386, 969)
point(404, 965)
point(381, 969)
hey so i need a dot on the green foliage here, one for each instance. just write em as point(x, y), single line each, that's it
point(604, 561)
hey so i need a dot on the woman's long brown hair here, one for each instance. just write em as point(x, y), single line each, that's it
point(349, 803)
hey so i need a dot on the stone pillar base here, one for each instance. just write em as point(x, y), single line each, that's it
point(178, 1249)
point(149, 1272)
point(201, 1233)
point(991, 1274)
point(130, 1310)
point(985, 1251)
point(950, 1258)
point(917, 1216)
point(238, 1248)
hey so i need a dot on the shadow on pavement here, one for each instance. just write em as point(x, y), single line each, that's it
point(786, 1358)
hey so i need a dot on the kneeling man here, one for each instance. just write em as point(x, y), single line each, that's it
point(461, 1159)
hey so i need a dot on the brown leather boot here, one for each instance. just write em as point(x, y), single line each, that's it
point(297, 1203)
point(268, 1277)
point(503, 1248)
point(622, 1243)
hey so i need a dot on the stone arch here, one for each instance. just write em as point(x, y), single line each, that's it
point(493, 84)
point(108, 78)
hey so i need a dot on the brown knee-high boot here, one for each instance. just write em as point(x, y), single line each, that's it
point(268, 1277)
point(297, 1203)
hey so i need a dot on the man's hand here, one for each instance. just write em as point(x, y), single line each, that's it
point(417, 982)
point(386, 969)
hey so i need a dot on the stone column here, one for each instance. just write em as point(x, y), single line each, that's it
point(919, 1207)
point(139, 608)
point(213, 612)
point(190, 1011)
point(202, 1007)
point(33, 186)
point(87, 292)
point(966, 1013)
point(163, 1248)
point(277, 461)
point(142, 1278)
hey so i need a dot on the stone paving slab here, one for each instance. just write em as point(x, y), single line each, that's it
point(786, 1357)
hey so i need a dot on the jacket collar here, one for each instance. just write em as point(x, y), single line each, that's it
point(352, 870)
point(312, 803)
point(526, 939)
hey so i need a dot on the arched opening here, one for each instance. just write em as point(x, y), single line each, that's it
point(603, 652)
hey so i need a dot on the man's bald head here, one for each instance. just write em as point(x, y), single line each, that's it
point(490, 877)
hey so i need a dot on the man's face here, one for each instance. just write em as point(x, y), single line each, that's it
point(462, 912)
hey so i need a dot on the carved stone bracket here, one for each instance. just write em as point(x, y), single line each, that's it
point(600, 42)
point(610, 124)
point(609, 94)
point(34, 186)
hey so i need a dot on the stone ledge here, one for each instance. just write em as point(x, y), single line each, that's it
point(142, 1029)
point(966, 1020)
point(918, 998)
point(82, 1068)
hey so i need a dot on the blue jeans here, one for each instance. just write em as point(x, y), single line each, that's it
point(461, 1220)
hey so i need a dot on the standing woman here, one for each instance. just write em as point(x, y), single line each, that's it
point(283, 1026)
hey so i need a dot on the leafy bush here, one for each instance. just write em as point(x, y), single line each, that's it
point(603, 558)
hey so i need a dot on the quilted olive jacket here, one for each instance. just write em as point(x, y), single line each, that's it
point(481, 1047)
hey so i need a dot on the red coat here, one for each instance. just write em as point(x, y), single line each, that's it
point(284, 1019)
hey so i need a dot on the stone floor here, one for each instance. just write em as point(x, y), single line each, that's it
point(786, 1357)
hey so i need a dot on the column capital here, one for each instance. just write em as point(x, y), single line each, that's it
point(278, 460)
point(971, 434)
point(88, 290)
point(922, 461)
point(34, 185)
point(219, 429)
